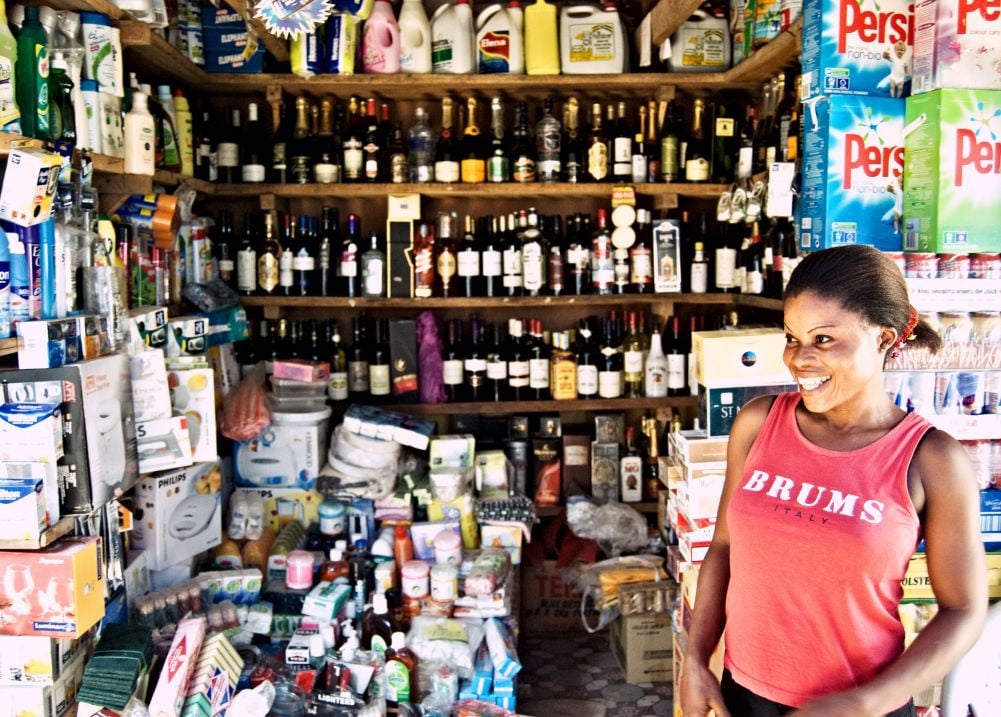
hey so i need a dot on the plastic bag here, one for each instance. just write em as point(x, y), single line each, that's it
point(447, 640)
point(599, 584)
point(245, 411)
point(616, 527)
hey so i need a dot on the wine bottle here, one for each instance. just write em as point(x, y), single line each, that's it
point(225, 248)
point(304, 260)
point(518, 369)
point(555, 265)
point(641, 255)
point(726, 261)
point(548, 133)
point(267, 258)
point(373, 269)
point(299, 158)
point(453, 365)
point(523, 166)
point(352, 143)
point(699, 270)
point(207, 154)
point(491, 259)
point(326, 264)
point(632, 359)
point(498, 162)
point(602, 261)
point(670, 145)
point(228, 151)
point(677, 374)
point(511, 257)
point(597, 148)
point(610, 364)
point(622, 147)
point(278, 172)
point(587, 360)
point(562, 368)
point(446, 160)
point(696, 147)
point(327, 159)
point(286, 274)
point(496, 365)
point(347, 266)
point(474, 362)
point(399, 166)
point(538, 362)
point(652, 151)
point(639, 161)
point(534, 253)
point(572, 145)
point(246, 259)
point(468, 261)
point(631, 470)
point(446, 249)
point(725, 148)
point(578, 257)
point(337, 386)
point(358, 373)
point(379, 379)
point(373, 162)
point(253, 150)
point(473, 166)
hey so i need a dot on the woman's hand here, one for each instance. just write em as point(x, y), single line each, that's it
point(700, 692)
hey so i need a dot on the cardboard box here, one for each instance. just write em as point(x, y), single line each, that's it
point(698, 495)
point(289, 453)
point(696, 447)
point(23, 514)
point(27, 660)
point(147, 328)
point(719, 406)
point(955, 46)
point(178, 513)
point(952, 172)
point(853, 159)
point(642, 646)
point(731, 358)
point(549, 601)
point(52, 700)
point(48, 344)
point(403, 211)
point(666, 256)
point(99, 437)
point(917, 583)
point(403, 360)
point(576, 465)
point(150, 395)
point(990, 518)
point(282, 505)
point(192, 394)
point(163, 444)
point(30, 446)
point(59, 589)
point(29, 183)
point(847, 46)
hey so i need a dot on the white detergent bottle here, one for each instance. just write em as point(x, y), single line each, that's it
point(498, 42)
point(591, 40)
point(452, 39)
point(415, 38)
point(381, 41)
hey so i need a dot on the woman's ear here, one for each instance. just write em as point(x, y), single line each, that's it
point(887, 338)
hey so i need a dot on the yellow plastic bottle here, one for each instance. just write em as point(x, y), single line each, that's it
point(542, 46)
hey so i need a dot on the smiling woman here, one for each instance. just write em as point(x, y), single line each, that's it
point(835, 485)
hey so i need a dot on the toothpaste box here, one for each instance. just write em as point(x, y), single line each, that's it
point(953, 173)
point(956, 45)
point(857, 47)
point(853, 161)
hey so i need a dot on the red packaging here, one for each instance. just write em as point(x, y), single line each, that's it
point(299, 370)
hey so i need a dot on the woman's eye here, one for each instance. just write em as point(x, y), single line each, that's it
point(822, 339)
point(790, 340)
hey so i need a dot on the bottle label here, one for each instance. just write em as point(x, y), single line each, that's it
point(676, 375)
point(371, 167)
point(349, 261)
point(354, 158)
point(524, 170)
point(564, 380)
point(228, 154)
point(42, 109)
point(512, 267)
point(226, 266)
point(285, 276)
point(372, 277)
point(300, 170)
point(451, 372)
point(639, 168)
point(669, 158)
point(724, 126)
point(446, 266)
point(475, 371)
point(697, 170)
point(496, 369)
point(492, 262)
point(246, 270)
point(533, 275)
point(397, 681)
point(326, 173)
point(597, 161)
point(358, 376)
point(745, 161)
point(538, 373)
point(378, 379)
point(610, 384)
point(303, 261)
point(446, 171)
point(726, 266)
point(587, 380)
point(700, 277)
point(497, 169)
point(468, 263)
point(379, 644)
point(622, 151)
point(518, 373)
point(656, 380)
point(267, 272)
point(253, 173)
point(633, 365)
point(642, 266)
point(630, 474)
point(337, 386)
point(473, 171)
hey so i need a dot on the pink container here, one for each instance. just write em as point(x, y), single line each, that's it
point(299, 570)
point(416, 579)
point(447, 547)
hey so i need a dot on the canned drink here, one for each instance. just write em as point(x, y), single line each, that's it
point(992, 393)
point(957, 327)
point(953, 266)
point(986, 326)
point(946, 398)
point(900, 259)
point(921, 392)
point(921, 265)
point(970, 387)
point(985, 266)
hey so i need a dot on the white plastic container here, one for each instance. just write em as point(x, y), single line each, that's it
point(140, 138)
point(701, 44)
point(499, 42)
point(415, 38)
point(453, 39)
point(381, 41)
point(591, 40)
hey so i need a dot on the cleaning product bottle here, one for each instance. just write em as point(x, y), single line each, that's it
point(401, 667)
point(140, 138)
point(184, 124)
point(33, 76)
point(381, 41)
point(542, 49)
point(10, 118)
point(162, 109)
point(415, 38)
point(403, 547)
point(20, 286)
point(591, 40)
point(376, 626)
point(498, 42)
point(452, 39)
point(62, 117)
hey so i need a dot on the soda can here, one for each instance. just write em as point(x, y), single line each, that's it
point(921, 265)
point(970, 387)
point(953, 266)
point(921, 392)
point(946, 398)
point(985, 266)
point(957, 327)
point(900, 259)
point(992, 393)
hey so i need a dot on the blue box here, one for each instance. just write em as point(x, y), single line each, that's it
point(854, 47)
point(224, 16)
point(853, 164)
point(224, 39)
point(990, 518)
point(234, 62)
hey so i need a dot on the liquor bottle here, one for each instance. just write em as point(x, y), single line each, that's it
point(597, 148)
point(670, 146)
point(511, 257)
point(639, 162)
point(373, 269)
point(632, 359)
point(518, 368)
point(498, 162)
point(299, 158)
point(379, 381)
point(446, 158)
point(352, 143)
point(424, 261)
point(225, 248)
point(523, 167)
point(790, 249)
point(620, 259)
point(578, 257)
point(304, 260)
point(610, 364)
point(496, 366)
point(555, 264)
point(337, 386)
point(253, 148)
point(446, 247)
point(326, 264)
point(651, 462)
point(358, 375)
point(246, 259)
point(347, 266)
point(474, 362)
point(373, 166)
point(206, 155)
point(745, 145)
point(452, 364)
point(534, 253)
point(278, 171)
point(726, 261)
point(286, 274)
point(468, 261)
point(228, 151)
point(752, 259)
point(699, 271)
point(602, 261)
point(697, 147)
point(473, 166)
point(622, 147)
point(421, 141)
point(588, 358)
point(327, 159)
point(267, 258)
point(631, 470)
point(574, 154)
point(399, 166)
point(694, 323)
point(548, 133)
point(652, 150)
point(562, 368)
point(491, 258)
point(677, 374)
point(655, 371)
point(538, 362)
point(724, 145)
point(641, 255)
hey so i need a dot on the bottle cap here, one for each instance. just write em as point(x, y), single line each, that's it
point(379, 604)
point(398, 641)
point(336, 554)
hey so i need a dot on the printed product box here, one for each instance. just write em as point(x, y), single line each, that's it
point(642, 646)
point(956, 45)
point(728, 358)
point(853, 161)
point(27, 660)
point(99, 437)
point(57, 591)
point(52, 700)
point(283, 505)
point(990, 518)
point(31, 444)
point(289, 453)
point(719, 405)
point(917, 583)
point(192, 394)
point(163, 444)
point(22, 506)
point(178, 514)
point(953, 173)
point(857, 47)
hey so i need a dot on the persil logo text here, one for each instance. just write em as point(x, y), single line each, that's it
point(864, 160)
point(874, 26)
point(975, 156)
point(989, 10)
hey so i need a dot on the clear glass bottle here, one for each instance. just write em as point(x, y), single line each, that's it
point(421, 141)
point(446, 157)
point(548, 136)
point(655, 370)
point(373, 269)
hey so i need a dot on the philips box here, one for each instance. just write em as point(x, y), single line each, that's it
point(854, 47)
point(178, 514)
point(956, 45)
point(953, 174)
point(853, 159)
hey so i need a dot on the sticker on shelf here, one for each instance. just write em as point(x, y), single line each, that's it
point(292, 18)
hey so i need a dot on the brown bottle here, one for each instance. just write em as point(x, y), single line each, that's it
point(336, 567)
point(401, 671)
point(376, 625)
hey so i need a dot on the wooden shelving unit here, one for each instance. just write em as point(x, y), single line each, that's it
point(512, 407)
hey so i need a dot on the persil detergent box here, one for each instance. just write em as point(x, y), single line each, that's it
point(857, 47)
point(956, 45)
point(853, 159)
point(953, 176)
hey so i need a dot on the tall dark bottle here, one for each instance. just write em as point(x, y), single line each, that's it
point(228, 151)
point(453, 363)
point(572, 146)
point(379, 380)
point(498, 162)
point(697, 147)
point(496, 365)
point(522, 152)
point(474, 362)
point(224, 245)
point(588, 359)
point(358, 373)
point(676, 353)
point(304, 251)
point(725, 147)
point(538, 362)
point(326, 272)
point(578, 257)
point(254, 148)
point(327, 154)
point(468, 261)
point(446, 161)
point(353, 154)
point(491, 259)
point(268, 258)
point(246, 259)
point(473, 162)
point(278, 172)
point(347, 266)
point(299, 157)
point(518, 368)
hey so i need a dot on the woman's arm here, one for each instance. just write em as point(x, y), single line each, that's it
point(700, 690)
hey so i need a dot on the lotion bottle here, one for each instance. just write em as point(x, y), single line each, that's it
point(140, 138)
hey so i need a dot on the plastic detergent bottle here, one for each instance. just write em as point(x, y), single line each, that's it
point(415, 38)
point(10, 118)
point(33, 75)
point(498, 42)
point(381, 40)
point(452, 39)
point(542, 49)
point(591, 40)
point(701, 44)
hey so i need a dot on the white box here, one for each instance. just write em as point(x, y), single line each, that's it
point(29, 185)
point(192, 394)
point(956, 45)
point(46, 700)
point(178, 514)
point(36, 660)
point(187, 336)
point(730, 358)
point(666, 256)
point(150, 395)
point(32, 433)
point(289, 453)
point(22, 506)
point(48, 344)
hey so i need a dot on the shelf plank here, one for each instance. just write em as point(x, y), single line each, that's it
point(276, 46)
point(667, 16)
point(505, 407)
point(767, 60)
point(102, 6)
point(512, 302)
point(648, 508)
point(151, 56)
point(8, 347)
point(62, 528)
point(173, 179)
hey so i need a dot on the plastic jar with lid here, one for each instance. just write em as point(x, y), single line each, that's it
point(332, 517)
point(415, 579)
point(447, 547)
point(444, 582)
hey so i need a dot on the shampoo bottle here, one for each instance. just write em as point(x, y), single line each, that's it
point(184, 124)
point(415, 38)
point(140, 138)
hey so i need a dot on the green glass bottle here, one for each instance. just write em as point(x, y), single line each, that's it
point(10, 118)
point(33, 75)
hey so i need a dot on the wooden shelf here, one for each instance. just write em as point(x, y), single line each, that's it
point(767, 60)
point(667, 16)
point(505, 407)
point(153, 58)
point(8, 347)
point(62, 528)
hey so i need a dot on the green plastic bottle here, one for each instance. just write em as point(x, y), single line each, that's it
point(10, 118)
point(62, 119)
point(33, 76)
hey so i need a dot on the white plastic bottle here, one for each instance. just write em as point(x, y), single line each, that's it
point(415, 38)
point(453, 39)
point(498, 42)
point(140, 138)
point(381, 41)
